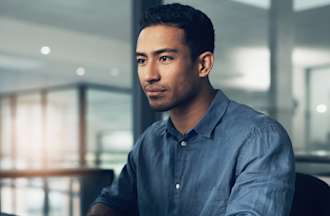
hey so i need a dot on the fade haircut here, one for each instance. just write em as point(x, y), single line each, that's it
point(197, 26)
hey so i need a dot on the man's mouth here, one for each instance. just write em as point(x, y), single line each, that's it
point(153, 91)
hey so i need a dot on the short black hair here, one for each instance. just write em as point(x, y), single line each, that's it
point(197, 26)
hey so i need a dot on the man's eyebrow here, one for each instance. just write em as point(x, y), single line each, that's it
point(165, 50)
point(157, 52)
point(141, 54)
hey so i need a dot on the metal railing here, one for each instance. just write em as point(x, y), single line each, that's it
point(91, 182)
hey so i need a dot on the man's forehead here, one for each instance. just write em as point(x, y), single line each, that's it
point(160, 37)
point(162, 28)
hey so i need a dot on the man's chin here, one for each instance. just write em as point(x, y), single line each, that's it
point(159, 107)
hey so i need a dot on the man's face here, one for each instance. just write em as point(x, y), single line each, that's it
point(167, 74)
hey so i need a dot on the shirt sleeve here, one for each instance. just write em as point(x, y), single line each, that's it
point(265, 175)
point(122, 194)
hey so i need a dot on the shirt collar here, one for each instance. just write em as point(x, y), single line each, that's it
point(213, 115)
point(170, 128)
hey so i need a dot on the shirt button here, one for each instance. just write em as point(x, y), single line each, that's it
point(177, 186)
point(183, 143)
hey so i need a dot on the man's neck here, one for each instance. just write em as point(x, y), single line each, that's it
point(186, 118)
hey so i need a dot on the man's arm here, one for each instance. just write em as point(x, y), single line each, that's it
point(120, 196)
point(264, 183)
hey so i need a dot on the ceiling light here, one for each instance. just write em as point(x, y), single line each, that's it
point(80, 71)
point(45, 50)
point(321, 108)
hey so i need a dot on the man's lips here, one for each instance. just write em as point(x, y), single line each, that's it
point(153, 91)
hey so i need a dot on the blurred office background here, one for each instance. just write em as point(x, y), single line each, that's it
point(69, 99)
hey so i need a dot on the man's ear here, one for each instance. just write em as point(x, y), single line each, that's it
point(205, 63)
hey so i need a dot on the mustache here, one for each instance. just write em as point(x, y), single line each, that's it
point(154, 87)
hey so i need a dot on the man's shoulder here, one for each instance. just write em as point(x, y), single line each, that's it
point(251, 128)
point(244, 116)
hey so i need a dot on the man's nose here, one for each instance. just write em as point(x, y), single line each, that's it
point(151, 73)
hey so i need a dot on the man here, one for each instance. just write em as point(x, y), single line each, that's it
point(213, 156)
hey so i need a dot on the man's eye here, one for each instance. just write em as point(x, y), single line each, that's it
point(140, 61)
point(165, 59)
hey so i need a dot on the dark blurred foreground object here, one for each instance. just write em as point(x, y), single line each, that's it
point(4, 214)
point(311, 198)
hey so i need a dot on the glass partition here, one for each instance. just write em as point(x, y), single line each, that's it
point(28, 131)
point(62, 128)
point(43, 129)
point(311, 67)
point(318, 126)
point(6, 129)
point(109, 129)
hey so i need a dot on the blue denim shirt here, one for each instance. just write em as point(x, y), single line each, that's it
point(236, 161)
